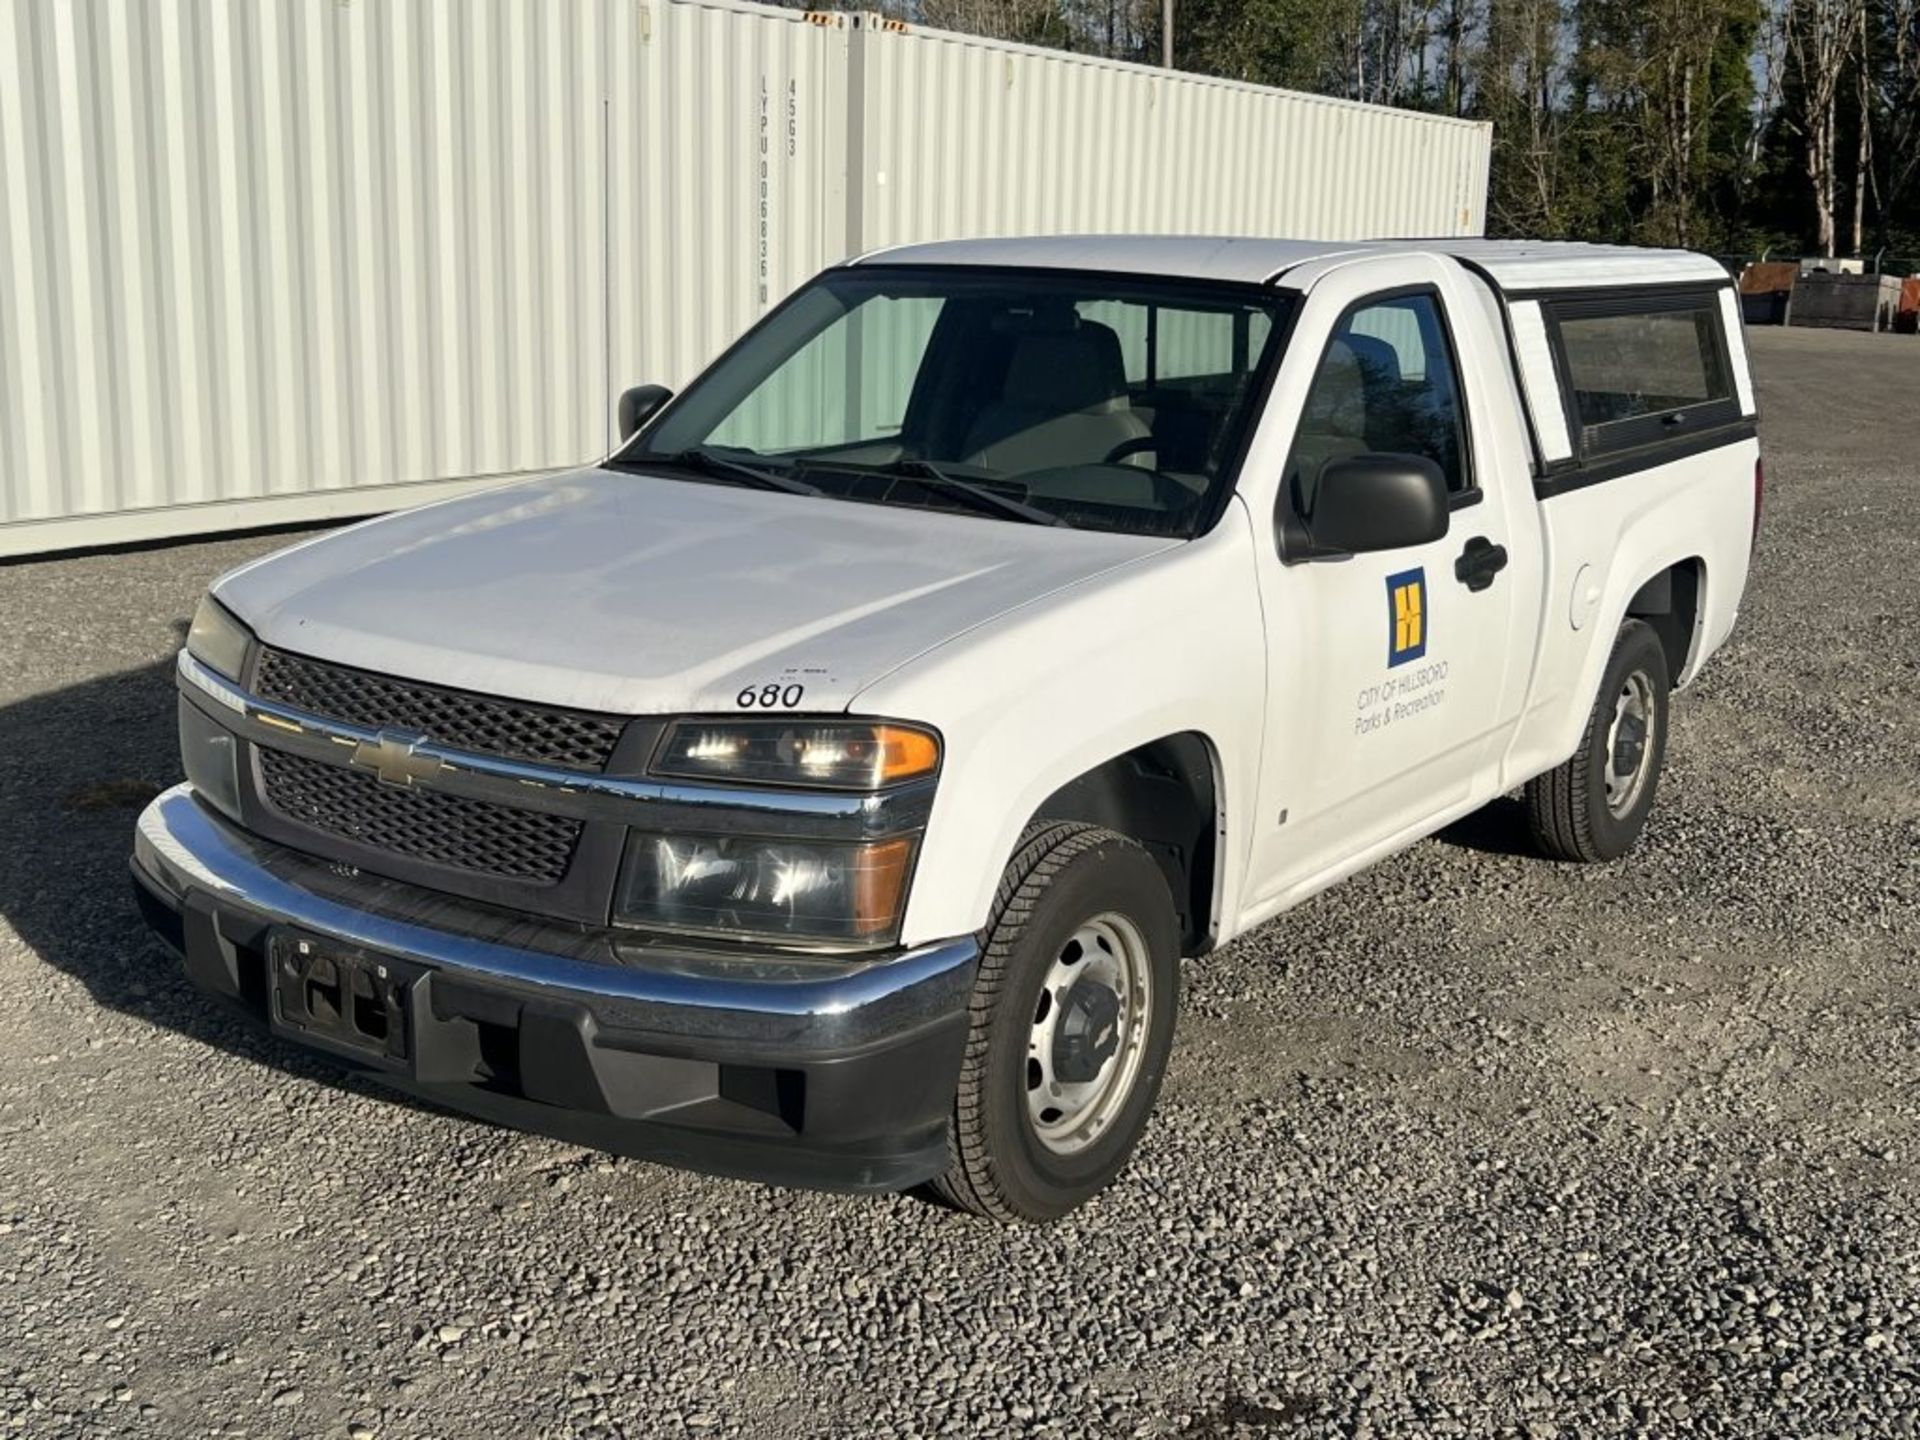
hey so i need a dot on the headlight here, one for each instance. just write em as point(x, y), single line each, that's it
point(217, 640)
point(800, 890)
point(830, 755)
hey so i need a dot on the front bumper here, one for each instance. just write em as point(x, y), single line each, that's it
point(820, 1072)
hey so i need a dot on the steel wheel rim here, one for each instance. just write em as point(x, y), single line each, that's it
point(1069, 1113)
point(1630, 743)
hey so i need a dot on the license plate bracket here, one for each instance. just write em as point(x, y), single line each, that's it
point(342, 998)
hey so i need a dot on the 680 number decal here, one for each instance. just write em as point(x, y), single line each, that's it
point(770, 697)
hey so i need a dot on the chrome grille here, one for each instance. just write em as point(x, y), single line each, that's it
point(546, 735)
point(426, 825)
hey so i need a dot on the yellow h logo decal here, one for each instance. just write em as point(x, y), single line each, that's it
point(1407, 616)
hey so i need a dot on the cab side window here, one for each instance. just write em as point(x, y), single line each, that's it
point(1386, 385)
point(1644, 369)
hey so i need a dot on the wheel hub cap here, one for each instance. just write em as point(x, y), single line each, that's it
point(1629, 743)
point(1089, 1034)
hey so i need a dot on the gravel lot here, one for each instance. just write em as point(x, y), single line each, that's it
point(1474, 1145)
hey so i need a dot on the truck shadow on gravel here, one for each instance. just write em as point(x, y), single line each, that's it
point(76, 767)
point(1498, 828)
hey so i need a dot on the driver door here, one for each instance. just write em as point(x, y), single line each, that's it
point(1391, 673)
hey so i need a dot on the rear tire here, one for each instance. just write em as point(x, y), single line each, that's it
point(1594, 806)
point(1071, 1025)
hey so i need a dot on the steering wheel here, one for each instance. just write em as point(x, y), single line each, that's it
point(1170, 493)
point(1139, 445)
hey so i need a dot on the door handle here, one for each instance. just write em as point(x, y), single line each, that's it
point(1479, 563)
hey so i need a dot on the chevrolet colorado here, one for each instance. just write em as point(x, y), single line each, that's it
point(828, 786)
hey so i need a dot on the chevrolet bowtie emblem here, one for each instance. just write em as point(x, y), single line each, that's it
point(394, 757)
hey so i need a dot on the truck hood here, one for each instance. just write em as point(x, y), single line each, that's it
point(639, 594)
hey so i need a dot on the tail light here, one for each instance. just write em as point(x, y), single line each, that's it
point(1759, 499)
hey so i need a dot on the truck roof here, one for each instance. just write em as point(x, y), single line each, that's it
point(1514, 266)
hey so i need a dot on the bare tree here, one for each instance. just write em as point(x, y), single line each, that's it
point(1679, 104)
point(1770, 61)
point(1456, 22)
point(1822, 40)
point(1522, 81)
point(1863, 154)
point(1896, 103)
point(1398, 33)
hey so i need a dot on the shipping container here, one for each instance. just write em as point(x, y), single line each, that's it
point(279, 261)
point(728, 177)
point(267, 261)
point(963, 137)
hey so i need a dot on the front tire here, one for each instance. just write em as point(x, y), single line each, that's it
point(1595, 805)
point(1071, 1025)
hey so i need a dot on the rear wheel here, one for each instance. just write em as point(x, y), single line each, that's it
point(1595, 805)
point(1072, 1023)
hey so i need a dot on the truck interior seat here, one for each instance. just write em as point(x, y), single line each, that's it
point(1063, 403)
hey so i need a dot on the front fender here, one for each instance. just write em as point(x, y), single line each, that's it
point(1046, 694)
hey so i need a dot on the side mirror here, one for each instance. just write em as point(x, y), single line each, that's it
point(1378, 502)
point(637, 406)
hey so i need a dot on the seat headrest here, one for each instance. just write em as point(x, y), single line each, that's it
point(1338, 403)
point(1379, 361)
point(1061, 371)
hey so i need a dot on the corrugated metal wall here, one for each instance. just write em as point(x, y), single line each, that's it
point(271, 260)
point(728, 174)
point(964, 136)
point(262, 249)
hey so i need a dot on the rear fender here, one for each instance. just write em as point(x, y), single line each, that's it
point(1604, 543)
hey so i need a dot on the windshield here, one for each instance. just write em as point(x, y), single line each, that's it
point(1040, 396)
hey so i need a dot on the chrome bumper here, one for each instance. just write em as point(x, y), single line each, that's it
point(640, 1048)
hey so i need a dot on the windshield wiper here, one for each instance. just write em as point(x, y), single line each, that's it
point(707, 462)
point(927, 473)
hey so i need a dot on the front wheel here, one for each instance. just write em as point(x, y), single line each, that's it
point(1072, 1023)
point(1595, 805)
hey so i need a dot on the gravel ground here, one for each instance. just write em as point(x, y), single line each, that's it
point(1473, 1145)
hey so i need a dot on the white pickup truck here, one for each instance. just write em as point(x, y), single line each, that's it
point(827, 787)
